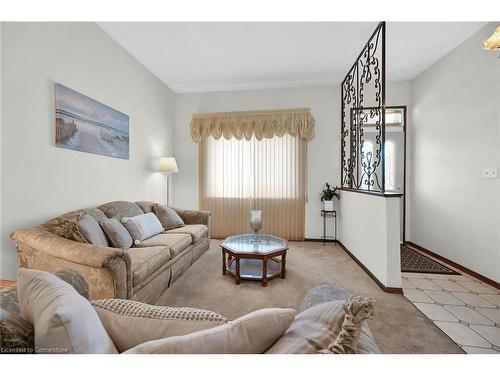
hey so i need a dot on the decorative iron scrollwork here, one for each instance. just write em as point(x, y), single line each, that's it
point(363, 97)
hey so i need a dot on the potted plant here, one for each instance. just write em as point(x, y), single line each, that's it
point(327, 197)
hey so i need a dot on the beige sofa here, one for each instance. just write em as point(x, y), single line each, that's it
point(141, 273)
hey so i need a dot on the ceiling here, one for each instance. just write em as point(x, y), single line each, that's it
point(216, 56)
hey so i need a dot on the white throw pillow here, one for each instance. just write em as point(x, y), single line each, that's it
point(64, 321)
point(250, 334)
point(142, 227)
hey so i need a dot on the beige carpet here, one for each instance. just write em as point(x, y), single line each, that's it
point(398, 327)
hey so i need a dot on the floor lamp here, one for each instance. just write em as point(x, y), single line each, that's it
point(168, 166)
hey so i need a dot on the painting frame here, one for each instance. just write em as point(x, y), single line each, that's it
point(87, 125)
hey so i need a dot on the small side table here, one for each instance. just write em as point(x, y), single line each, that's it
point(329, 214)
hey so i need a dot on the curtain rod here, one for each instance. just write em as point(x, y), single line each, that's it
point(252, 113)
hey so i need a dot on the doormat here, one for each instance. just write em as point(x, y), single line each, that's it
point(413, 261)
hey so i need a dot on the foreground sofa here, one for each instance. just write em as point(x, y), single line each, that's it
point(142, 272)
point(46, 313)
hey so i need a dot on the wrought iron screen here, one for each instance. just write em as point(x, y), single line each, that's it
point(363, 105)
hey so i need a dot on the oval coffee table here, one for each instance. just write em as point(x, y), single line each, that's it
point(245, 258)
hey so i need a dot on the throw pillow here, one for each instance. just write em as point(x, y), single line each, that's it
point(168, 217)
point(66, 226)
point(250, 334)
point(89, 227)
point(16, 333)
point(74, 279)
point(64, 321)
point(142, 227)
point(319, 328)
point(358, 310)
point(130, 323)
point(116, 233)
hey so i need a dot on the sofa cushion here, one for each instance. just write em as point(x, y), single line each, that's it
point(176, 242)
point(168, 217)
point(196, 231)
point(117, 234)
point(250, 334)
point(146, 206)
point(119, 209)
point(145, 260)
point(96, 213)
point(130, 323)
point(64, 321)
point(142, 227)
point(89, 227)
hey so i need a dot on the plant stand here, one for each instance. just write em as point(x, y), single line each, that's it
point(329, 214)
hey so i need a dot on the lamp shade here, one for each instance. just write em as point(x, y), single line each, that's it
point(493, 42)
point(167, 165)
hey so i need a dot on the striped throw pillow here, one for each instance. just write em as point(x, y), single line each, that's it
point(142, 227)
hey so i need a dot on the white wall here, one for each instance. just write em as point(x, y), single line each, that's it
point(399, 94)
point(369, 229)
point(455, 134)
point(323, 150)
point(39, 180)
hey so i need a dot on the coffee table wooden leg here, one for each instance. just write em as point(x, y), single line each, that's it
point(264, 272)
point(237, 276)
point(283, 266)
point(223, 263)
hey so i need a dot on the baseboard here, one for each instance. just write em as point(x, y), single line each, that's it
point(374, 278)
point(318, 240)
point(456, 265)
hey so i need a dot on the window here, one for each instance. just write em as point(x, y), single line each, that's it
point(390, 164)
point(239, 175)
point(393, 117)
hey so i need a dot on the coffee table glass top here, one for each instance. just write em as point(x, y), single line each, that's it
point(245, 243)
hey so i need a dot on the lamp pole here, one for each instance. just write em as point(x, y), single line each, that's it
point(167, 179)
point(167, 165)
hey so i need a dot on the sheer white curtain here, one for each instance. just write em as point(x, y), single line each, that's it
point(239, 175)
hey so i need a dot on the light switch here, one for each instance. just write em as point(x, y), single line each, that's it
point(490, 173)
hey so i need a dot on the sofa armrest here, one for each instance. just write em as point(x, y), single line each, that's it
point(60, 247)
point(194, 216)
point(107, 270)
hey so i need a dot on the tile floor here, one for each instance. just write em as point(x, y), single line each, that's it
point(466, 309)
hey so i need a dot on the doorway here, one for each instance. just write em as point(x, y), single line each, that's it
point(395, 155)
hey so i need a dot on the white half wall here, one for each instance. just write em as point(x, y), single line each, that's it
point(39, 180)
point(323, 150)
point(369, 229)
point(455, 134)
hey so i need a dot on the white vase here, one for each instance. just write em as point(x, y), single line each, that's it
point(328, 205)
point(256, 223)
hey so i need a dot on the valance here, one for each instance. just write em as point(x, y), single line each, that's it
point(261, 124)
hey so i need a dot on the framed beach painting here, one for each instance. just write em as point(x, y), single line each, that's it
point(84, 124)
